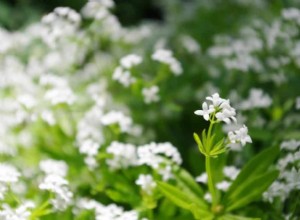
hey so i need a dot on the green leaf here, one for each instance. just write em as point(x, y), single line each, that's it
point(236, 217)
point(200, 214)
point(180, 198)
point(199, 143)
point(218, 147)
point(251, 190)
point(256, 166)
point(188, 180)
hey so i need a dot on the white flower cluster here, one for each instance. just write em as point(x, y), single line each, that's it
point(290, 145)
point(62, 22)
point(289, 177)
point(153, 155)
point(119, 118)
point(124, 155)
point(122, 73)
point(166, 56)
point(292, 14)
point(220, 109)
point(8, 175)
point(256, 99)
point(22, 212)
point(109, 212)
point(89, 135)
point(151, 94)
point(56, 183)
point(190, 44)
point(237, 55)
point(240, 136)
point(58, 91)
point(146, 182)
point(97, 9)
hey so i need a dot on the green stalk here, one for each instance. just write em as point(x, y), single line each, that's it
point(211, 185)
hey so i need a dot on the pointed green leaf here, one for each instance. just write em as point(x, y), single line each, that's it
point(251, 190)
point(236, 217)
point(256, 166)
point(199, 143)
point(178, 197)
point(200, 214)
point(188, 180)
point(218, 146)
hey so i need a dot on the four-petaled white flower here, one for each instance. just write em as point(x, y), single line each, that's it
point(206, 111)
point(240, 136)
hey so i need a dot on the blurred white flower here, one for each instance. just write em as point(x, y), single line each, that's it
point(166, 56)
point(151, 94)
point(240, 136)
point(130, 61)
point(146, 182)
point(224, 185)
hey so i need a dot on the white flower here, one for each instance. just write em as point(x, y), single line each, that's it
point(190, 44)
point(124, 155)
point(146, 182)
point(8, 174)
point(202, 178)
point(208, 197)
point(227, 113)
point(48, 117)
point(206, 111)
point(215, 99)
point(117, 117)
point(151, 94)
point(224, 185)
point(166, 173)
point(59, 186)
point(240, 136)
point(130, 61)
point(20, 213)
point(60, 95)
point(231, 172)
point(221, 107)
point(256, 99)
point(166, 56)
point(89, 147)
point(56, 167)
point(123, 77)
point(298, 103)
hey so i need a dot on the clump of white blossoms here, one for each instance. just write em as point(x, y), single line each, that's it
point(122, 73)
point(146, 182)
point(106, 212)
point(56, 183)
point(166, 56)
point(22, 212)
point(217, 110)
point(123, 155)
point(158, 156)
point(256, 99)
point(8, 175)
point(151, 94)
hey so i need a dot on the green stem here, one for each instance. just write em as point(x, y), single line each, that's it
point(211, 186)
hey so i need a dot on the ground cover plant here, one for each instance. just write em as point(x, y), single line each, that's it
point(195, 116)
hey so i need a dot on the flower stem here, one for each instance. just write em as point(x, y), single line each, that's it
point(211, 185)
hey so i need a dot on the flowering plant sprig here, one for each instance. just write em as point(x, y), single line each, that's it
point(247, 184)
point(217, 111)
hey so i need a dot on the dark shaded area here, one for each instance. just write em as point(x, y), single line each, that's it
point(132, 11)
point(15, 14)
